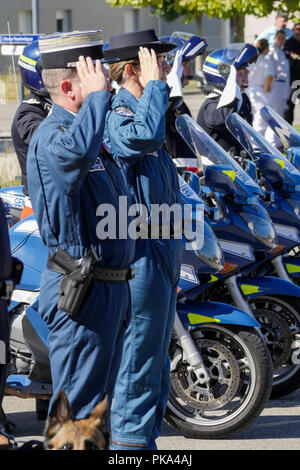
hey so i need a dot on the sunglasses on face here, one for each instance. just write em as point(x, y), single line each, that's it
point(161, 59)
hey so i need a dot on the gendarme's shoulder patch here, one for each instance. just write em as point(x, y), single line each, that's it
point(122, 111)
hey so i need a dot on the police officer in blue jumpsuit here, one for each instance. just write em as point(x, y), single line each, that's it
point(135, 134)
point(69, 178)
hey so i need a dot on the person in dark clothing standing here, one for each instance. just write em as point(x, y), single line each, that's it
point(31, 112)
point(189, 49)
point(292, 51)
point(226, 70)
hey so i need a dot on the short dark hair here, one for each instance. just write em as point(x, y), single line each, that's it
point(280, 31)
point(282, 14)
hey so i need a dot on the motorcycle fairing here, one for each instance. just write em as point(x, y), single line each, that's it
point(210, 152)
point(197, 314)
point(267, 157)
point(26, 244)
point(35, 335)
point(292, 265)
point(257, 286)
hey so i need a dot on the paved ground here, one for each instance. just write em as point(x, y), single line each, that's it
point(278, 428)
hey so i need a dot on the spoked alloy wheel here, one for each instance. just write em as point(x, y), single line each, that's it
point(280, 326)
point(240, 382)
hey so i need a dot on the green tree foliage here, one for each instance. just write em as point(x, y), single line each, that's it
point(191, 9)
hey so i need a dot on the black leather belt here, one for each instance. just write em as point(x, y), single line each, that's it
point(63, 263)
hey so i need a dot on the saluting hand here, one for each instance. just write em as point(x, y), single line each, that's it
point(149, 66)
point(92, 77)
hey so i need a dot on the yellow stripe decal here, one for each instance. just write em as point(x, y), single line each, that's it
point(292, 268)
point(212, 60)
point(194, 318)
point(230, 173)
point(27, 60)
point(280, 162)
point(248, 289)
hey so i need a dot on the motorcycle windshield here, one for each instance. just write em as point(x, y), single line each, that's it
point(211, 153)
point(255, 144)
point(288, 135)
point(231, 53)
point(251, 140)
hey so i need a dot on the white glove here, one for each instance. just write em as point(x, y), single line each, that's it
point(174, 77)
point(231, 91)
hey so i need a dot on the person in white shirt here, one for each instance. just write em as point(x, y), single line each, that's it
point(261, 76)
point(281, 85)
point(280, 23)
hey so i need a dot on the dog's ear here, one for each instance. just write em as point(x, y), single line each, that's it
point(60, 410)
point(98, 414)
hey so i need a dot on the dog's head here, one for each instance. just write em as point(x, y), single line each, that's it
point(62, 432)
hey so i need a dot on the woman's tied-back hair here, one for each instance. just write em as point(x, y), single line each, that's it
point(116, 70)
point(261, 45)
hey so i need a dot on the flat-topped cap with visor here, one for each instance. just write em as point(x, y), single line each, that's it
point(62, 50)
point(126, 46)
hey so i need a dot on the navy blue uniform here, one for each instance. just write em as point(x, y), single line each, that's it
point(135, 134)
point(212, 120)
point(28, 117)
point(174, 143)
point(68, 178)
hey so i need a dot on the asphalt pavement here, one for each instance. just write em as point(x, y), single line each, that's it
point(277, 428)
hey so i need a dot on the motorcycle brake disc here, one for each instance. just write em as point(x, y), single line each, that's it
point(277, 335)
point(223, 384)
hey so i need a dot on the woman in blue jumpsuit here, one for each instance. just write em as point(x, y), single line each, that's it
point(135, 134)
point(68, 179)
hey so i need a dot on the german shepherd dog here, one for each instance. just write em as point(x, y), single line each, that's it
point(62, 432)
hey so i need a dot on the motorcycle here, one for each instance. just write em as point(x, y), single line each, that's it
point(245, 230)
point(220, 364)
point(280, 181)
point(14, 201)
point(288, 135)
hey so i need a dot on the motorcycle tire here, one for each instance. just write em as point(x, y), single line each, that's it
point(279, 317)
point(240, 384)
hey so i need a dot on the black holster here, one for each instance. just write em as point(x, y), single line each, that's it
point(78, 276)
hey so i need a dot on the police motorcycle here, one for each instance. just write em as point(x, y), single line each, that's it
point(288, 135)
point(217, 354)
point(280, 180)
point(247, 235)
point(14, 200)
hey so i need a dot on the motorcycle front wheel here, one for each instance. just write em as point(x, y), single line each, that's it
point(279, 320)
point(239, 386)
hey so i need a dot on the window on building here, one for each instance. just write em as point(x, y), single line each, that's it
point(25, 21)
point(63, 21)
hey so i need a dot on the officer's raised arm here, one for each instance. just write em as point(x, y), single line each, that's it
point(79, 87)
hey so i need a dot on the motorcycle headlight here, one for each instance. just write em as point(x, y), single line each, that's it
point(208, 249)
point(261, 226)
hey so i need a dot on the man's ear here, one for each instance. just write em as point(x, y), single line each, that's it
point(66, 87)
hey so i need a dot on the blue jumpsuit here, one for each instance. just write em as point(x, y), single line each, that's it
point(68, 178)
point(135, 133)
